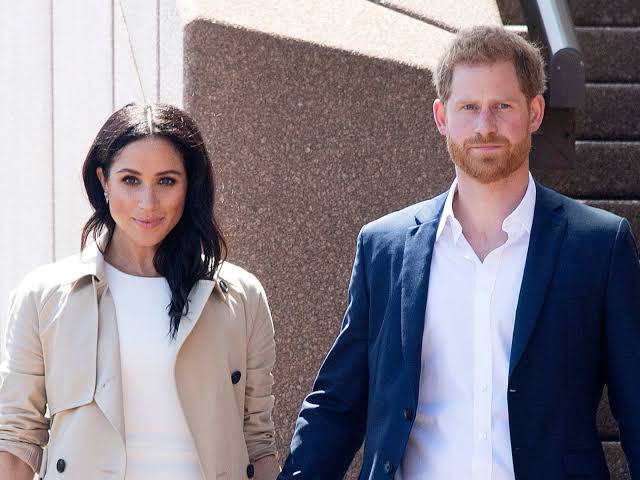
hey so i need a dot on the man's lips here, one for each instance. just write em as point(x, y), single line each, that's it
point(148, 222)
point(487, 146)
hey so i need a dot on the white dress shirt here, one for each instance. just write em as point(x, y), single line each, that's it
point(159, 445)
point(461, 429)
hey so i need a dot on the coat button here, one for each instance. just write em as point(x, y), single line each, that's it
point(407, 413)
point(250, 471)
point(61, 465)
point(235, 377)
point(388, 467)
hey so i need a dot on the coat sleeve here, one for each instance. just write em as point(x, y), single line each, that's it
point(24, 429)
point(258, 404)
point(623, 343)
point(331, 424)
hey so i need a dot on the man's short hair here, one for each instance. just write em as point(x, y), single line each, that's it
point(485, 45)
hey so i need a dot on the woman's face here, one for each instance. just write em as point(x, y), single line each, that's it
point(147, 186)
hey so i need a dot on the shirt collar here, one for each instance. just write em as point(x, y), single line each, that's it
point(521, 217)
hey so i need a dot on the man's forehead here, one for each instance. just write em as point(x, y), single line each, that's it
point(496, 79)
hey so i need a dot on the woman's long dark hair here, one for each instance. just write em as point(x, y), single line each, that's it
point(195, 247)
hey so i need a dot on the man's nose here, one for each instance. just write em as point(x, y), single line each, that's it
point(486, 122)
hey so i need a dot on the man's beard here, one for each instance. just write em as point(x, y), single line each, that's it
point(489, 167)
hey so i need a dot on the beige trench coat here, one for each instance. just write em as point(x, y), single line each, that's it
point(62, 353)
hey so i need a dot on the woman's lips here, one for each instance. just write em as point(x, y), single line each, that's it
point(147, 223)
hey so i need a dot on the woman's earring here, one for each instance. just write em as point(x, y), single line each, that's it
point(106, 197)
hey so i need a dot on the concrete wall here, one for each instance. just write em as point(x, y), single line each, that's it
point(319, 120)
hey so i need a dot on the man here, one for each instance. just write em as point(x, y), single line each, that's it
point(482, 324)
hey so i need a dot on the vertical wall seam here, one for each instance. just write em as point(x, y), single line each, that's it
point(53, 131)
point(113, 55)
point(158, 50)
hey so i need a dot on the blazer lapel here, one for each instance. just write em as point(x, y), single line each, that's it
point(416, 265)
point(547, 233)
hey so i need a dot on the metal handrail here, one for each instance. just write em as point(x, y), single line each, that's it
point(550, 23)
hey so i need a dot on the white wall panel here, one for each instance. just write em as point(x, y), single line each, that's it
point(142, 18)
point(83, 99)
point(171, 53)
point(25, 143)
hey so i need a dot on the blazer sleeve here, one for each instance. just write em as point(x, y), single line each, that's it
point(623, 343)
point(258, 405)
point(24, 429)
point(331, 424)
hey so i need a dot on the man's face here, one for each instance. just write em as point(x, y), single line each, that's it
point(488, 121)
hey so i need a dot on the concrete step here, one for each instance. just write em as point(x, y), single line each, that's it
point(616, 461)
point(607, 426)
point(585, 12)
point(610, 112)
point(585, 179)
point(611, 54)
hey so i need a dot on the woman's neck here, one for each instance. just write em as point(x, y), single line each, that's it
point(126, 256)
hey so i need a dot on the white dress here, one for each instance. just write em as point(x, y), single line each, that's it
point(159, 445)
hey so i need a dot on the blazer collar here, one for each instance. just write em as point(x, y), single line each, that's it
point(547, 234)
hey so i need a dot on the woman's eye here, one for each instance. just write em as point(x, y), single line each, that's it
point(129, 180)
point(167, 181)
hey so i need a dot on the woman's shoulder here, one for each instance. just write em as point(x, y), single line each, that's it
point(239, 279)
point(48, 278)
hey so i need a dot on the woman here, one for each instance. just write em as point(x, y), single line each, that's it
point(151, 354)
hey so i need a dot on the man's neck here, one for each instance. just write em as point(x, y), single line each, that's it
point(482, 208)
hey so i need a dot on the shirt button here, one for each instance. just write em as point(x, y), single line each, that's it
point(483, 387)
point(250, 471)
point(235, 377)
point(407, 413)
point(483, 436)
point(61, 465)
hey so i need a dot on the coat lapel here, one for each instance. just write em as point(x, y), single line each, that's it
point(198, 297)
point(547, 234)
point(108, 394)
point(416, 265)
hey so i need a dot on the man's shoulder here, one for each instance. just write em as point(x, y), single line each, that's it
point(581, 215)
point(400, 220)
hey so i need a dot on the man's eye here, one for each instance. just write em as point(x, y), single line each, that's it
point(167, 181)
point(129, 180)
point(504, 106)
point(469, 107)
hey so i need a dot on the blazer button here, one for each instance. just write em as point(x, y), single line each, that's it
point(235, 377)
point(250, 471)
point(61, 465)
point(223, 286)
point(388, 467)
point(407, 413)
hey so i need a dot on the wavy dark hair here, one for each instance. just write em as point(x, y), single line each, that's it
point(195, 248)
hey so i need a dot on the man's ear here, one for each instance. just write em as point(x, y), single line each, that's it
point(536, 112)
point(440, 116)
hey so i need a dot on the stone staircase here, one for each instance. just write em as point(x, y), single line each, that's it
point(607, 171)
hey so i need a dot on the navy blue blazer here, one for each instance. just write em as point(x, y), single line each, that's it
point(577, 327)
